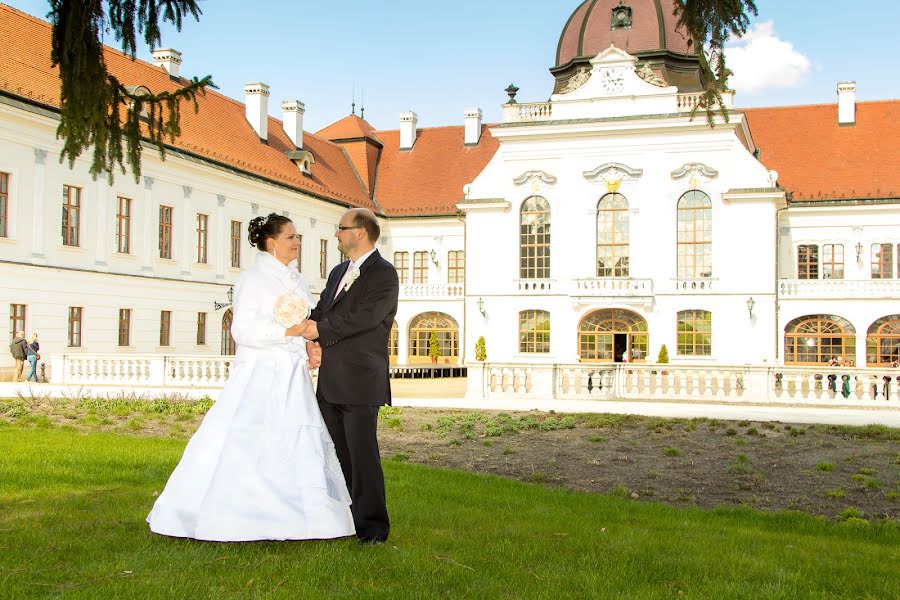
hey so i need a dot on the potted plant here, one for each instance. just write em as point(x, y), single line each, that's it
point(480, 350)
point(663, 358)
point(434, 349)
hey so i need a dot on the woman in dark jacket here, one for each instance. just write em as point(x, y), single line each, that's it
point(31, 352)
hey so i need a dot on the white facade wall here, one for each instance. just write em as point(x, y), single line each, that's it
point(48, 277)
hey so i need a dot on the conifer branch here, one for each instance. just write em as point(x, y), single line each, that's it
point(96, 108)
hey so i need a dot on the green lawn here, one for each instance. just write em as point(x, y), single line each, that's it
point(72, 508)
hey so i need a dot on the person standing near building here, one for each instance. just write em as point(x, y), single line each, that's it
point(17, 349)
point(31, 352)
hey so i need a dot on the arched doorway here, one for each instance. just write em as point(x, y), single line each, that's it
point(883, 342)
point(816, 339)
point(610, 334)
point(228, 345)
point(447, 332)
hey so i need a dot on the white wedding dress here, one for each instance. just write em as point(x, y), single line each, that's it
point(262, 465)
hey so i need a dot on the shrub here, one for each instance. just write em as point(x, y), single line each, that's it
point(434, 349)
point(663, 357)
point(480, 350)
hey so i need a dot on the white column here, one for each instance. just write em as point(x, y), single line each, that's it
point(149, 229)
point(402, 343)
point(101, 236)
point(37, 227)
point(221, 236)
point(185, 239)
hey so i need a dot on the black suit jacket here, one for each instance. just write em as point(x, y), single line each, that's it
point(354, 329)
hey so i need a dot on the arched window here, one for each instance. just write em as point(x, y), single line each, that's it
point(534, 331)
point(394, 344)
point(883, 342)
point(534, 239)
point(228, 345)
point(612, 236)
point(612, 335)
point(695, 333)
point(447, 331)
point(816, 339)
point(694, 235)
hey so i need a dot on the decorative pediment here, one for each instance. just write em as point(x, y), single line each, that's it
point(534, 176)
point(613, 174)
point(613, 55)
point(696, 173)
point(694, 169)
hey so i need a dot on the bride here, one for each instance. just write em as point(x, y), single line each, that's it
point(262, 465)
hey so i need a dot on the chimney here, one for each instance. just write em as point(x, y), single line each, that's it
point(846, 91)
point(256, 101)
point(408, 121)
point(292, 120)
point(473, 125)
point(168, 59)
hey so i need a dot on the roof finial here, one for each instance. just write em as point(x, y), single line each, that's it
point(362, 110)
point(353, 104)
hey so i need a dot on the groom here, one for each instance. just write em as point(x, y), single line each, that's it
point(352, 324)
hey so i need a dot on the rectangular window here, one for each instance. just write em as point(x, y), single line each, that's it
point(16, 320)
point(201, 329)
point(202, 238)
point(456, 266)
point(124, 327)
point(236, 244)
point(808, 261)
point(401, 263)
point(165, 231)
point(123, 225)
point(420, 267)
point(695, 333)
point(75, 326)
point(534, 331)
point(4, 204)
point(165, 327)
point(299, 253)
point(71, 215)
point(882, 261)
point(323, 258)
point(833, 261)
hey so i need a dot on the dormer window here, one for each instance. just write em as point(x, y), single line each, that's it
point(303, 159)
point(139, 91)
point(621, 16)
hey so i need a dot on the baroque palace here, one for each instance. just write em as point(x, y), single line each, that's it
point(595, 227)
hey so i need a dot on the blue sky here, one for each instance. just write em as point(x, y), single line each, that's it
point(437, 58)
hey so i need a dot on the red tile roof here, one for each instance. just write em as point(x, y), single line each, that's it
point(817, 159)
point(429, 179)
point(350, 127)
point(219, 132)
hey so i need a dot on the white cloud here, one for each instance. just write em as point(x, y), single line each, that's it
point(761, 60)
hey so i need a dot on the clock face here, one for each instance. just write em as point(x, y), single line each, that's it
point(612, 80)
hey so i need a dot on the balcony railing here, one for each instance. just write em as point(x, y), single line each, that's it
point(432, 291)
point(543, 111)
point(839, 288)
point(613, 286)
point(535, 286)
point(695, 285)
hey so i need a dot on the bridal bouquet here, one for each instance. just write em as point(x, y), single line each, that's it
point(291, 309)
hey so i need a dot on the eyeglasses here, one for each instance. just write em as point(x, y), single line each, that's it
point(346, 227)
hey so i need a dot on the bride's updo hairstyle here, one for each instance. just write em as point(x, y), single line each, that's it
point(262, 228)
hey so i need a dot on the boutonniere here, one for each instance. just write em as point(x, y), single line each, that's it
point(354, 275)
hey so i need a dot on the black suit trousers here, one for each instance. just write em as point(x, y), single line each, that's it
point(353, 428)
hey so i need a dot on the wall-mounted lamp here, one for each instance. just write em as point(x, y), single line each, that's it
point(859, 249)
point(481, 307)
point(230, 295)
point(750, 304)
point(434, 258)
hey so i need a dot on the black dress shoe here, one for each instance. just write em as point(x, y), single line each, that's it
point(370, 541)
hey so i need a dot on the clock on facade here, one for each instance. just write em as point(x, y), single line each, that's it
point(612, 80)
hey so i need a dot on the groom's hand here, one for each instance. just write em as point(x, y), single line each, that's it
point(314, 351)
point(310, 330)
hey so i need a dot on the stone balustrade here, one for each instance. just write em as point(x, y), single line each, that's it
point(140, 370)
point(518, 113)
point(694, 285)
point(839, 288)
point(873, 388)
point(432, 291)
point(612, 286)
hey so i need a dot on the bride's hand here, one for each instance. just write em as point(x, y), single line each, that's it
point(295, 331)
